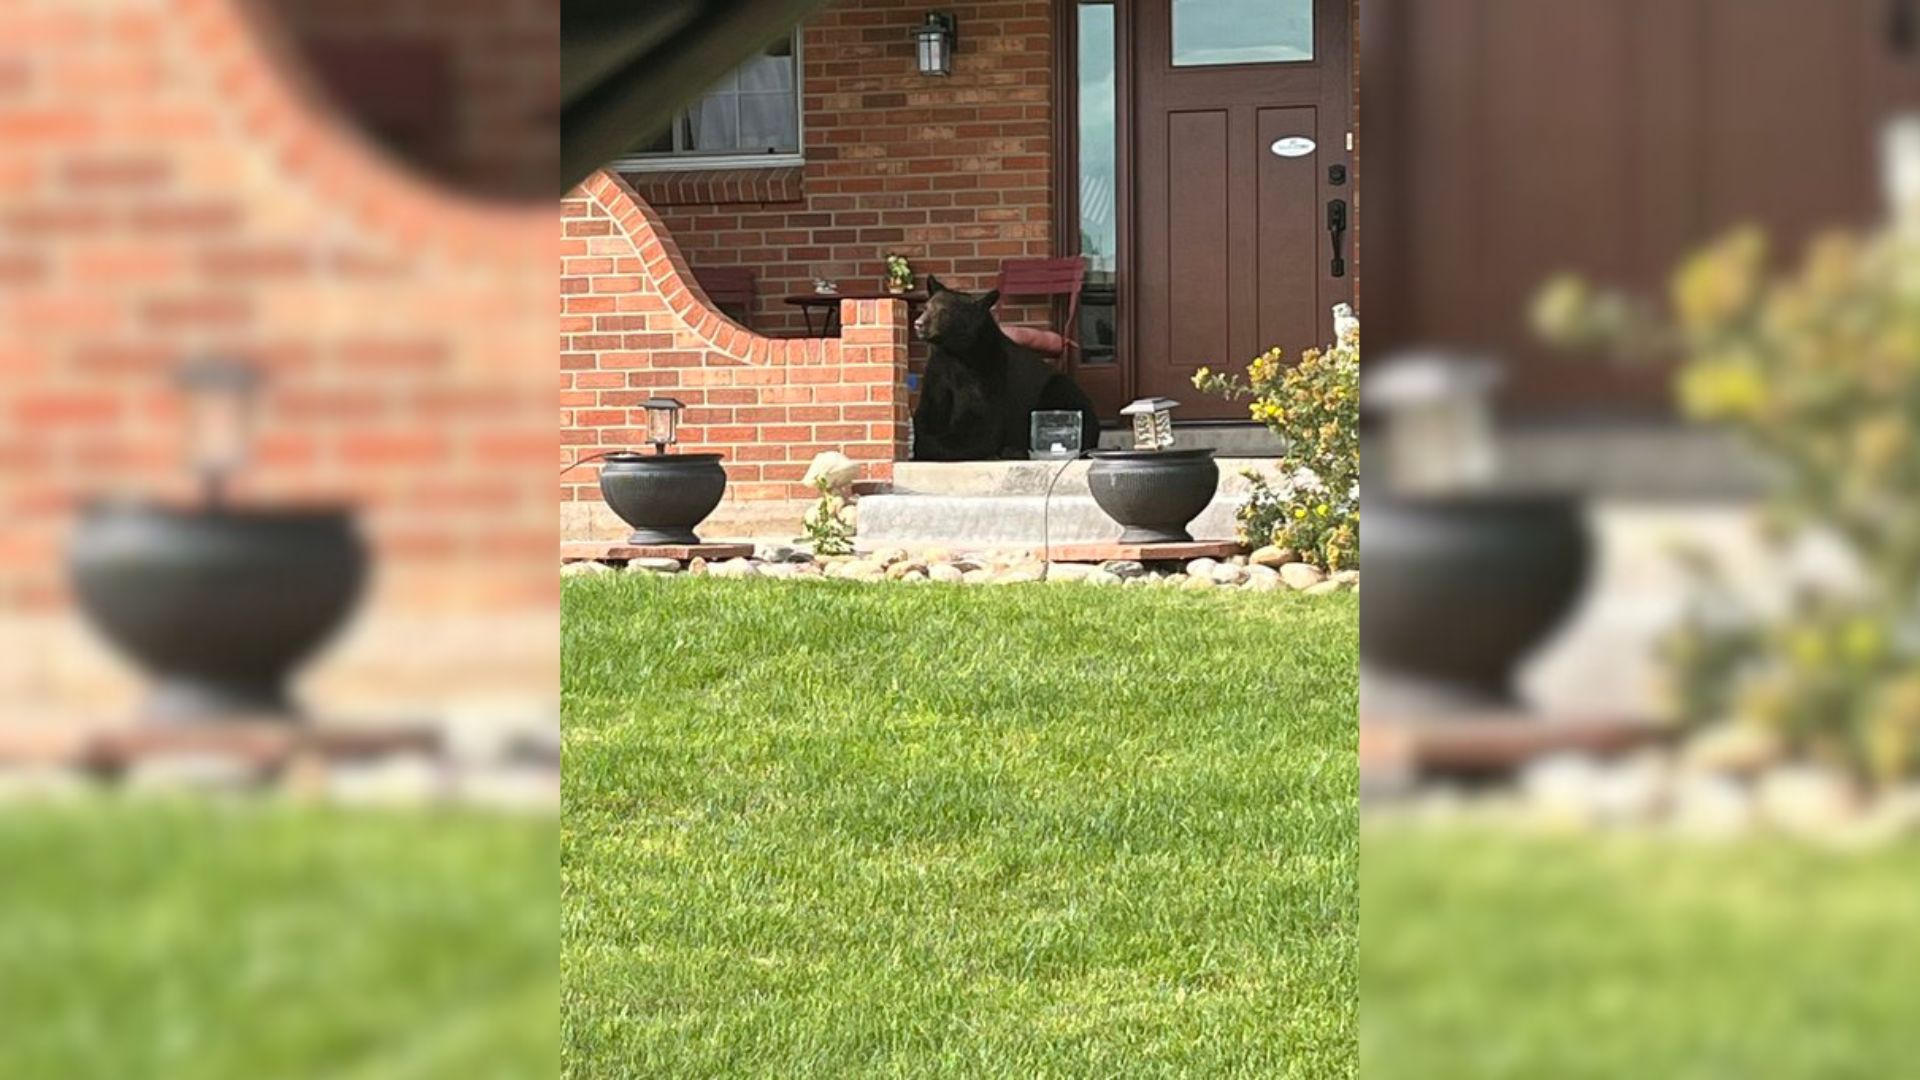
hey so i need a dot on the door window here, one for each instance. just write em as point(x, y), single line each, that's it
point(1213, 32)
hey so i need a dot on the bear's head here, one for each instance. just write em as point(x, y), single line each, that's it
point(954, 320)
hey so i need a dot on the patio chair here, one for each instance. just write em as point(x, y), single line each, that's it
point(731, 289)
point(1048, 278)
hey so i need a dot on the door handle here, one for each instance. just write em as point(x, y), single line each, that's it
point(1337, 232)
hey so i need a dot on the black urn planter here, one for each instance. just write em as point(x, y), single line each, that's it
point(1153, 494)
point(663, 496)
point(219, 606)
point(1461, 589)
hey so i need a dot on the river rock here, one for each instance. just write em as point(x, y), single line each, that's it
point(1299, 575)
point(1273, 556)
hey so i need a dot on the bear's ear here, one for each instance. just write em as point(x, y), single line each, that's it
point(990, 299)
point(934, 286)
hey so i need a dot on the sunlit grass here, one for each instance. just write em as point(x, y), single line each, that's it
point(180, 939)
point(1494, 955)
point(835, 830)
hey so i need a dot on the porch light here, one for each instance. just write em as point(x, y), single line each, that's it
point(663, 422)
point(933, 43)
point(220, 397)
point(1152, 422)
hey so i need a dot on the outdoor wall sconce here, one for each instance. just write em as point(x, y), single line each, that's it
point(220, 398)
point(933, 43)
point(663, 422)
point(1152, 422)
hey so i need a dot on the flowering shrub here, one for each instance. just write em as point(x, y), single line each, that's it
point(1819, 371)
point(1314, 407)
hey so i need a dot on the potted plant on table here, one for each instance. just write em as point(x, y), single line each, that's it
point(899, 275)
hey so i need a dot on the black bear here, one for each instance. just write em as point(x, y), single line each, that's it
point(981, 389)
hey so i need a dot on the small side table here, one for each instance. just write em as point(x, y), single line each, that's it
point(828, 305)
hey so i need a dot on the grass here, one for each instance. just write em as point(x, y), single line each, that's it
point(185, 940)
point(832, 830)
point(1492, 955)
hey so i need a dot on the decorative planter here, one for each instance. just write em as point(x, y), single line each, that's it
point(219, 606)
point(663, 496)
point(1153, 494)
point(1461, 589)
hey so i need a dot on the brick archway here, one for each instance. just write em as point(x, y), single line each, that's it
point(635, 323)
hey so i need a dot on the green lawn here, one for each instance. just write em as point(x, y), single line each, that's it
point(1493, 955)
point(831, 830)
point(146, 939)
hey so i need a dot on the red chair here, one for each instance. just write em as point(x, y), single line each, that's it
point(1049, 278)
point(731, 289)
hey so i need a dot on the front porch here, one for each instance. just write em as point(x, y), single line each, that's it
point(689, 264)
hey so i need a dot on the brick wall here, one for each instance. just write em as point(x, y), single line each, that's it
point(635, 325)
point(954, 173)
point(170, 185)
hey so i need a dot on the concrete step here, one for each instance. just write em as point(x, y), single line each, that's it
point(992, 504)
point(988, 478)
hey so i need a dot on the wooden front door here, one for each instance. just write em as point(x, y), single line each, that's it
point(1510, 140)
point(1243, 193)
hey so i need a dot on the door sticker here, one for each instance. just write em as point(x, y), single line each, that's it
point(1294, 146)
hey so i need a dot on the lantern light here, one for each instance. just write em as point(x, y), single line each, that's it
point(220, 396)
point(663, 422)
point(934, 42)
point(1152, 422)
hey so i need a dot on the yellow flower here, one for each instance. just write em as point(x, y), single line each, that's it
point(1321, 510)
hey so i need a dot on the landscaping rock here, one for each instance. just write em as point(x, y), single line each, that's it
point(398, 780)
point(1711, 806)
point(584, 569)
point(1197, 583)
point(947, 573)
point(1562, 789)
point(780, 570)
point(858, 570)
point(773, 553)
point(1201, 567)
point(1634, 791)
point(193, 772)
point(1348, 578)
point(1228, 574)
point(735, 568)
point(1273, 557)
point(901, 569)
point(837, 469)
point(1325, 588)
point(1125, 568)
point(697, 566)
point(977, 577)
point(1807, 799)
point(653, 566)
point(1018, 576)
point(1069, 571)
point(1299, 575)
point(1734, 749)
point(1270, 583)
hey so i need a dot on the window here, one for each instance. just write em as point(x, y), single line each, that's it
point(1097, 145)
point(1209, 32)
point(750, 117)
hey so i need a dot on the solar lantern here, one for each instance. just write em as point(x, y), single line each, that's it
point(933, 43)
point(1152, 422)
point(663, 422)
point(220, 398)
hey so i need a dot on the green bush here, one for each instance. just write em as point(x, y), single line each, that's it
point(1818, 370)
point(1314, 407)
